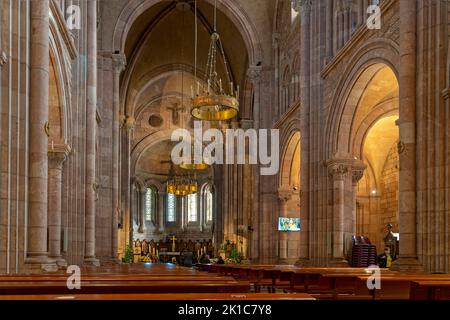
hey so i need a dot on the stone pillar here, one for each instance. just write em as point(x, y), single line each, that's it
point(276, 49)
point(57, 155)
point(338, 171)
point(284, 196)
point(37, 250)
point(305, 85)
point(127, 131)
point(408, 259)
point(329, 30)
point(357, 173)
point(119, 63)
point(91, 125)
point(142, 209)
point(254, 75)
point(162, 209)
point(347, 7)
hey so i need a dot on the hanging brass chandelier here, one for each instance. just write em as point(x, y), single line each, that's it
point(215, 102)
point(181, 185)
point(187, 163)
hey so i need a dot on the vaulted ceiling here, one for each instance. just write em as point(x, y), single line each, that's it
point(164, 36)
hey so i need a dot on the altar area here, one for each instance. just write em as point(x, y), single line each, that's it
point(164, 251)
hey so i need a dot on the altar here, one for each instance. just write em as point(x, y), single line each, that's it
point(165, 256)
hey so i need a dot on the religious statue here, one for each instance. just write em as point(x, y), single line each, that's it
point(145, 249)
point(390, 241)
point(137, 251)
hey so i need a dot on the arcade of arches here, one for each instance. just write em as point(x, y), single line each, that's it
point(88, 114)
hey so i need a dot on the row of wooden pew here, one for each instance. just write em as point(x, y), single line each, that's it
point(138, 282)
point(339, 283)
point(225, 282)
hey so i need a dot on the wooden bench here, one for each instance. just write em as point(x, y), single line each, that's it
point(430, 290)
point(123, 287)
point(129, 279)
point(176, 296)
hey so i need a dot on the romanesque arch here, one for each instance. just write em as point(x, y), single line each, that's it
point(363, 161)
point(231, 8)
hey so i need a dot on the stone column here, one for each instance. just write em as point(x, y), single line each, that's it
point(408, 259)
point(91, 125)
point(329, 30)
point(57, 155)
point(305, 79)
point(254, 75)
point(119, 63)
point(162, 209)
point(338, 171)
point(127, 132)
point(142, 210)
point(284, 196)
point(358, 169)
point(37, 251)
point(276, 49)
point(347, 7)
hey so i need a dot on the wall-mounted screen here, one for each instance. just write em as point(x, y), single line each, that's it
point(288, 224)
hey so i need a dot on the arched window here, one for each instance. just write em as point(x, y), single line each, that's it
point(150, 204)
point(171, 207)
point(192, 207)
point(208, 203)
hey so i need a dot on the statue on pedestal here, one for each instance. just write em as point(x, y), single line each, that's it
point(390, 241)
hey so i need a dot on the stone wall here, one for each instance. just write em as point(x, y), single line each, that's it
point(389, 192)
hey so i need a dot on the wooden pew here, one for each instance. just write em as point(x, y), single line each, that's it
point(430, 290)
point(128, 279)
point(173, 297)
point(394, 286)
point(106, 287)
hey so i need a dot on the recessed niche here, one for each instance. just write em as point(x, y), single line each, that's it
point(155, 121)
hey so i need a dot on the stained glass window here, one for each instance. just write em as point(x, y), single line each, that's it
point(192, 207)
point(209, 203)
point(149, 204)
point(171, 206)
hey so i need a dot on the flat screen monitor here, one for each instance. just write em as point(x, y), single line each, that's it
point(288, 224)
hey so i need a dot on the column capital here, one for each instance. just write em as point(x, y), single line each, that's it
point(358, 169)
point(3, 58)
point(254, 73)
point(57, 154)
point(302, 6)
point(127, 122)
point(285, 194)
point(339, 168)
point(119, 62)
